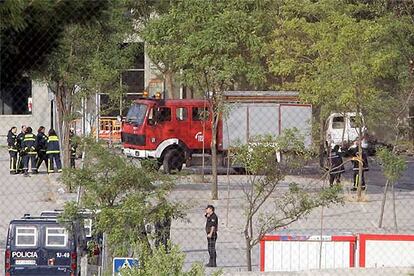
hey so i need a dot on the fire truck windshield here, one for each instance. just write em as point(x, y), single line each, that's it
point(136, 114)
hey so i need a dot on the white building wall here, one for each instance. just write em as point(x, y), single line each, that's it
point(40, 113)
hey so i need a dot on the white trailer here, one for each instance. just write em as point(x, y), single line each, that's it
point(264, 113)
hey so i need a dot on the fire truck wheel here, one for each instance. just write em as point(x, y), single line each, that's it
point(173, 160)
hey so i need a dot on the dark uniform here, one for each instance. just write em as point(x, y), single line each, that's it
point(355, 165)
point(212, 221)
point(12, 146)
point(20, 151)
point(336, 167)
point(29, 149)
point(53, 153)
point(40, 144)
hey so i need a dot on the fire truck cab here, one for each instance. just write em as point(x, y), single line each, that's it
point(166, 130)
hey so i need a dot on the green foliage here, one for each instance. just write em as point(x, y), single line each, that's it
point(264, 175)
point(124, 197)
point(32, 30)
point(216, 45)
point(393, 165)
point(90, 56)
point(263, 149)
point(342, 56)
point(165, 264)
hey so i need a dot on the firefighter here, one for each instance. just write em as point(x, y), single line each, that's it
point(211, 230)
point(335, 166)
point(21, 153)
point(29, 149)
point(355, 164)
point(53, 152)
point(40, 145)
point(12, 146)
point(73, 146)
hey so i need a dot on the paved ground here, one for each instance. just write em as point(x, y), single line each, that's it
point(351, 217)
point(19, 195)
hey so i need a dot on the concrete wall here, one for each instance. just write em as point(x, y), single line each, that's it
point(40, 113)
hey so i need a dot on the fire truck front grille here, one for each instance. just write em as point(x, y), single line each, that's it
point(132, 139)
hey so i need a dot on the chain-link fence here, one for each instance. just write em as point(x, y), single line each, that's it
point(238, 180)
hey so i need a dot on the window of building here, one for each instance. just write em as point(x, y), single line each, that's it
point(181, 114)
point(200, 114)
point(26, 236)
point(164, 114)
point(132, 80)
point(133, 77)
point(56, 237)
point(16, 98)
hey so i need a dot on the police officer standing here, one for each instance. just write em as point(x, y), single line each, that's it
point(53, 152)
point(211, 230)
point(336, 166)
point(12, 146)
point(20, 138)
point(40, 144)
point(29, 149)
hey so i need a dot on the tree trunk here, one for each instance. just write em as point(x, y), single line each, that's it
point(394, 211)
point(321, 139)
point(63, 109)
point(214, 182)
point(384, 199)
point(248, 255)
point(360, 164)
point(169, 83)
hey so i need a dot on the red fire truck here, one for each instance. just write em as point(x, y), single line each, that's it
point(171, 131)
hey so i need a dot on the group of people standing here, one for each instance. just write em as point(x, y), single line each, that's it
point(336, 165)
point(27, 149)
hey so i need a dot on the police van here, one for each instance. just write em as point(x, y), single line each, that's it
point(43, 246)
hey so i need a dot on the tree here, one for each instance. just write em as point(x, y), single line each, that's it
point(31, 30)
point(166, 263)
point(89, 60)
point(342, 56)
point(393, 167)
point(213, 46)
point(268, 207)
point(74, 46)
point(124, 198)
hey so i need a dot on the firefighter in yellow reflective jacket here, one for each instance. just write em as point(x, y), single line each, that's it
point(12, 146)
point(53, 152)
point(28, 147)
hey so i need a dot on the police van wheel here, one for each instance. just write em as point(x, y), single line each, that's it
point(173, 160)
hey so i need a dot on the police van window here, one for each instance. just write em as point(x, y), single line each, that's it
point(164, 114)
point(181, 114)
point(56, 237)
point(200, 114)
point(26, 236)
